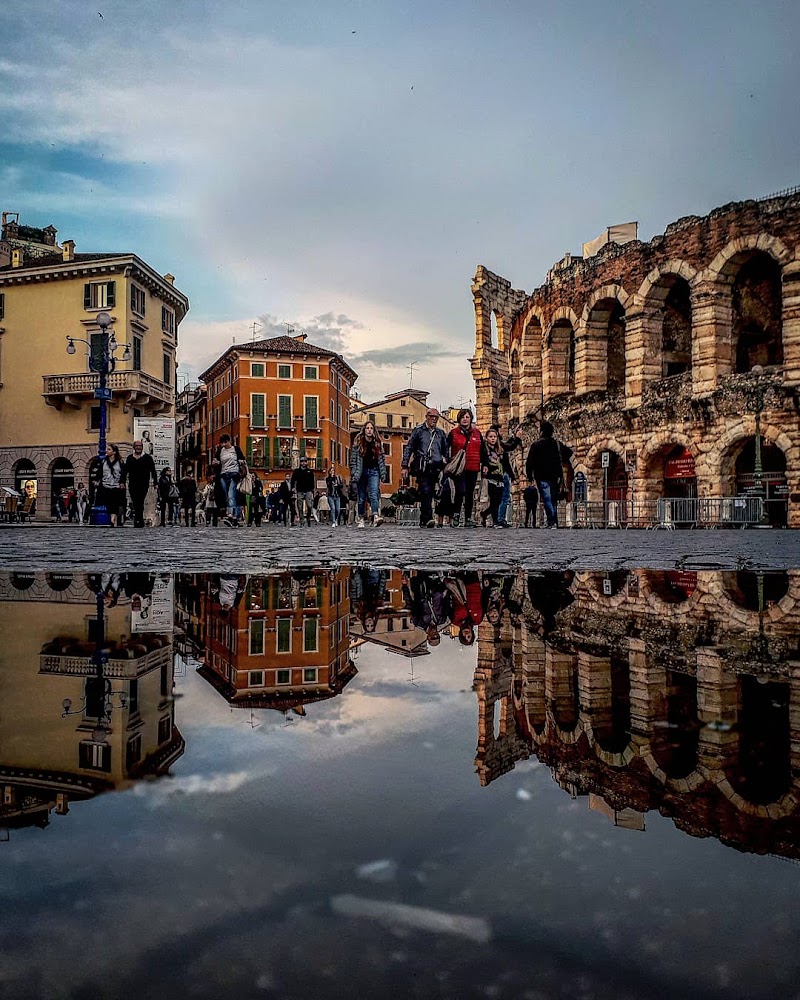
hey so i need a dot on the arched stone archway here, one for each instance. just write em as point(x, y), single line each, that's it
point(601, 362)
point(559, 357)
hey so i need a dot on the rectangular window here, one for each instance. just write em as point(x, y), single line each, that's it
point(402, 402)
point(255, 678)
point(389, 420)
point(257, 410)
point(310, 635)
point(372, 418)
point(94, 756)
point(387, 447)
point(311, 416)
point(167, 369)
point(136, 361)
point(284, 635)
point(256, 647)
point(333, 411)
point(138, 300)
point(283, 676)
point(133, 752)
point(285, 412)
point(284, 371)
point(257, 369)
point(164, 729)
point(310, 372)
point(100, 295)
point(94, 418)
point(310, 675)
point(168, 321)
point(133, 697)
point(2, 304)
point(340, 415)
point(404, 421)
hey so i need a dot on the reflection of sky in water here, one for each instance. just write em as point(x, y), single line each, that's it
point(232, 863)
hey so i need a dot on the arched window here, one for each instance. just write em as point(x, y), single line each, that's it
point(676, 327)
point(757, 334)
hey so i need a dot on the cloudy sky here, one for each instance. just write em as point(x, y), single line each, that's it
point(344, 166)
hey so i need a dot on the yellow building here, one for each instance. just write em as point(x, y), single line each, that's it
point(395, 417)
point(49, 419)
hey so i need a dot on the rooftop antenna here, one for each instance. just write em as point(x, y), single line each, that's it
point(256, 326)
point(410, 369)
point(289, 329)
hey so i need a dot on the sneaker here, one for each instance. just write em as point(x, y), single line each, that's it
point(360, 523)
point(431, 524)
point(378, 522)
point(469, 523)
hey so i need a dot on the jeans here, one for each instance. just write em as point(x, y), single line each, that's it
point(305, 505)
point(229, 483)
point(369, 489)
point(336, 508)
point(506, 498)
point(548, 492)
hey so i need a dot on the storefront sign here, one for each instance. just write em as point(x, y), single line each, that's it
point(680, 467)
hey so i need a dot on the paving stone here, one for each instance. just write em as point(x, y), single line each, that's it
point(250, 550)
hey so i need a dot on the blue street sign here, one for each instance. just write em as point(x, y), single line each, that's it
point(102, 394)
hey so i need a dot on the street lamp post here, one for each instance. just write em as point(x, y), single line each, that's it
point(101, 362)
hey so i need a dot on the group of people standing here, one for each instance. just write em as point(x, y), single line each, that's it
point(448, 468)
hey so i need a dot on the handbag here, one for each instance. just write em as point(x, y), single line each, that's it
point(245, 484)
point(456, 464)
point(419, 463)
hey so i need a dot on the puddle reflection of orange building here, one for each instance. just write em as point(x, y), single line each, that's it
point(279, 641)
point(48, 761)
point(679, 695)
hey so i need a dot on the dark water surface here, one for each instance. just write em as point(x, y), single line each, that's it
point(353, 782)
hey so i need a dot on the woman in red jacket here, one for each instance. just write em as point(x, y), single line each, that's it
point(465, 437)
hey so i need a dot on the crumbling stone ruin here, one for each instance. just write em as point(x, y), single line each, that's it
point(664, 355)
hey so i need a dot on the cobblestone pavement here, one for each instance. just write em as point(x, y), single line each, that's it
point(250, 550)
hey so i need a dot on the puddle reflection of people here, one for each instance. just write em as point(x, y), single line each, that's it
point(550, 593)
point(368, 593)
point(468, 605)
point(228, 589)
point(428, 602)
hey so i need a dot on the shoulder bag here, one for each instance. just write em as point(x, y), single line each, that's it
point(245, 484)
point(456, 464)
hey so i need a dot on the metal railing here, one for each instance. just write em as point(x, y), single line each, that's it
point(665, 513)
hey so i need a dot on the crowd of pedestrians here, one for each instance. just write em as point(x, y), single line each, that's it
point(463, 477)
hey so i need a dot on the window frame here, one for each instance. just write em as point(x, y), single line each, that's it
point(138, 295)
point(168, 320)
point(259, 374)
point(282, 683)
point(263, 397)
point(278, 624)
point(290, 425)
point(311, 368)
point(282, 366)
point(253, 633)
point(93, 300)
point(312, 619)
point(307, 426)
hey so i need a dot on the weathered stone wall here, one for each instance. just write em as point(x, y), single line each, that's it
point(601, 349)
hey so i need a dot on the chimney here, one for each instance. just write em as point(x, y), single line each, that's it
point(68, 250)
point(17, 257)
point(170, 278)
point(301, 337)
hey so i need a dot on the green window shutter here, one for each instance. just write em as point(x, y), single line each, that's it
point(319, 450)
point(87, 296)
point(276, 453)
point(249, 451)
point(302, 447)
point(257, 408)
point(111, 294)
point(311, 420)
point(284, 412)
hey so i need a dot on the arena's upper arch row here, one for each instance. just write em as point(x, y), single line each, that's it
point(688, 340)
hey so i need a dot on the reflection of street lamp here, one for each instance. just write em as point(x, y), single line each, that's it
point(102, 362)
point(105, 695)
point(758, 470)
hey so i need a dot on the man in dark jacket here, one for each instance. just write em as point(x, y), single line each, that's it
point(187, 487)
point(545, 466)
point(138, 472)
point(424, 456)
point(304, 483)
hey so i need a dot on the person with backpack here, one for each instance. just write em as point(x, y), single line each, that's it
point(187, 488)
point(424, 457)
point(466, 438)
point(545, 466)
point(303, 484)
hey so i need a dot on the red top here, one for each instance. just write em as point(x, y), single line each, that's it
point(472, 609)
point(459, 440)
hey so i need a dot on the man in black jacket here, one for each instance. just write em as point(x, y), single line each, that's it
point(424, 456)
point(304, 483)
point(545, 466)
point(138, 472)
point(507, 445)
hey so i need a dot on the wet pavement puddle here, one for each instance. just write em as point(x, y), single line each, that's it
point(365, 782)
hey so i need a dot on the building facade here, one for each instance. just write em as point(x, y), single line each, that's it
point(49, 418)
point(281, 399)
point(395, 417)
point(664, 356)
point(191, 431)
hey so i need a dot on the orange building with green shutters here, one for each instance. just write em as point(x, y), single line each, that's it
point(281, 399)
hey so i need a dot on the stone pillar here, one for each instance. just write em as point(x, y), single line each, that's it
point(711, 336)
point(648, 688)
point(718, 711)
point(560, 684)
point(533, 677)
point(591, 357)
point(642, 353)
point(594, 690)
point(790, 322)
